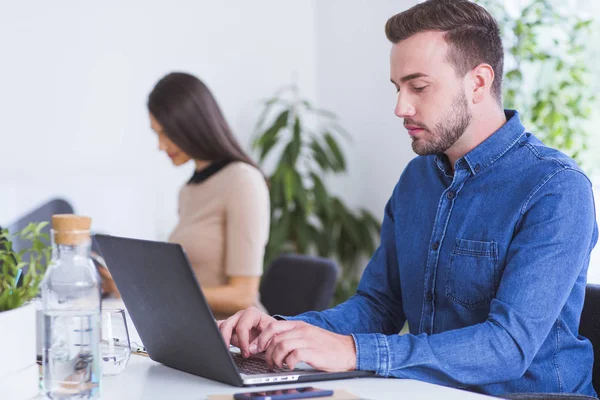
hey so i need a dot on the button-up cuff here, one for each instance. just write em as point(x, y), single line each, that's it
point(372, 353)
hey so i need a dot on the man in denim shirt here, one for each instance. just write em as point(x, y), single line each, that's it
point(485, 242)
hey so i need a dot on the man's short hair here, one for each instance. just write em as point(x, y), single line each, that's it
point(472, 34)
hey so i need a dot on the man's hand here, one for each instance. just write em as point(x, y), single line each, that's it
point(244, 327)
point(290, 342)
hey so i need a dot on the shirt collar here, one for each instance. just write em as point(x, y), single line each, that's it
point(205, 173)
point(491, 149)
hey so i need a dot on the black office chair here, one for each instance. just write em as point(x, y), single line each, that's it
point(589, 326)
point(294, 284)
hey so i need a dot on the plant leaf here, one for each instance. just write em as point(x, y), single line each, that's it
point(288, 181)
point(268, 139)
point(320, 156)
point(340, 162)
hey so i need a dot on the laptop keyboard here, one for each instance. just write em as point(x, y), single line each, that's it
point(253, 365)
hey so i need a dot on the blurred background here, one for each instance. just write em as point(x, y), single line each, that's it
point(75, 76)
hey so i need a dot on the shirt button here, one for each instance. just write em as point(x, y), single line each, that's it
point(450, 195)
point(435, 245)
point(477, 168)
point(429, 297)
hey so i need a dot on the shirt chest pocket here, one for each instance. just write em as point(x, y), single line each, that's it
point(472, 278)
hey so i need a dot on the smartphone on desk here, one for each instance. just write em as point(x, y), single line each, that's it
point(281, 394)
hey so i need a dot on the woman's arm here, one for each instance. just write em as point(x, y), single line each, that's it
point(238, 294)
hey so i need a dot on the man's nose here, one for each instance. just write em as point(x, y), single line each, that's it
point(404, 109)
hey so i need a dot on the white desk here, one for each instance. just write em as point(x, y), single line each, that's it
point(149, 380)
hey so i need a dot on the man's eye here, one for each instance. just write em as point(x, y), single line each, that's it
point(420, 89)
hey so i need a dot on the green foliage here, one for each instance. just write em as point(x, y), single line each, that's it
point(547, 77)
point(305, 217)
point(11, 262)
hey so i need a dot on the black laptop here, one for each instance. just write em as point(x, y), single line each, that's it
point(174, 321)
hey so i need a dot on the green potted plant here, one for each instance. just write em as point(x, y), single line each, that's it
point(19, 374)
point(302, 142)
point(547, 76)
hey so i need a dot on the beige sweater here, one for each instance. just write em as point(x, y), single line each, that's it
point(224, 225)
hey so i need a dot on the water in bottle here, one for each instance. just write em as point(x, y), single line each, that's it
point(71, 306)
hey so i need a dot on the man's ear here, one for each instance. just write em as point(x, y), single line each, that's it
point(482, 77)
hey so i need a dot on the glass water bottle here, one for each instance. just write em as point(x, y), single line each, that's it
point(71, 306)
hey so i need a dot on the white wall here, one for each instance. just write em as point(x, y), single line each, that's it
point(353, 80)
point(75, 75)
point(74, 78)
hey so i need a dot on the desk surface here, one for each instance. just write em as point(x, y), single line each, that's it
point(149, 380)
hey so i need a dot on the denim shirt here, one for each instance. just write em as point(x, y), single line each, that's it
point(488, 266)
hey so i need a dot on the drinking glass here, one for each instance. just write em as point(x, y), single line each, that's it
point(114, 346)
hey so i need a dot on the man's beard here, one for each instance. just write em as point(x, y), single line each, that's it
point(446, 132)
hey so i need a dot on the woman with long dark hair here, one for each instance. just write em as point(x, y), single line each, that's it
point(224, 207)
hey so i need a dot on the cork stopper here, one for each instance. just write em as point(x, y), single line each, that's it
point(71, 229)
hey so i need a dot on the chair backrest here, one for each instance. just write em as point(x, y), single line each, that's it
point(294, 284)
point(589, 326)
point(40, 214)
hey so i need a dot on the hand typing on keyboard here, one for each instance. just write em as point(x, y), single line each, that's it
point(286, 343)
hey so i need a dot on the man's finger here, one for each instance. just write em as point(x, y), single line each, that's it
point(246, 323)
point(296, 356)
point(275, 328)
point(227, 326)
point(234, 340)
point(284, 348)
point(293, 334)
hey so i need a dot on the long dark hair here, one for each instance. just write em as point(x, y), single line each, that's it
point(192, 119)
